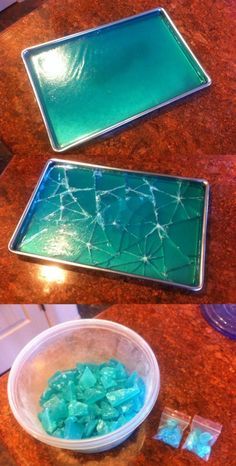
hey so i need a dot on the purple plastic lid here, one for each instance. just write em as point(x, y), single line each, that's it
point(222, 317)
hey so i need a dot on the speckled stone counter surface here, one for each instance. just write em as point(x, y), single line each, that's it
point(197, 366)
point(191, 139)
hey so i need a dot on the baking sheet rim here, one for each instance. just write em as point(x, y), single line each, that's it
point(57, 147)
point(102, 269)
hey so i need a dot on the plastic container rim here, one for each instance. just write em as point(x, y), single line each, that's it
point(98, 441)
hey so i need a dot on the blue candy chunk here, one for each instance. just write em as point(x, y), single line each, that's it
point(198, 442)
point(114, 425)
point(118, 423)
point(58, 433)
point(120, 370)
point(127, 407)
point(47, 394)
point(137, 403)
point(120, 384)
point(203, 450)
point(73, 429)
point(172, 438)
point(87, 379)
point(76, 408)
point(132, 380)
point(108, 382)
point(205, 437)
point(57, 408)
point(93, 367)
point(102, 427)
point(192, 440)
point(54, 377)
point(94, 410)
point(118, 397)
point(48, 421)
point(92, 395)
point(89, 428)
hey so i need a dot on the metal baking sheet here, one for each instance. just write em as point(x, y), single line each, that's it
point(136, 223)
point(89, 83)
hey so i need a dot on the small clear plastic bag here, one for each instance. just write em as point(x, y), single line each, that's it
point(172, 426)
point(202, 436)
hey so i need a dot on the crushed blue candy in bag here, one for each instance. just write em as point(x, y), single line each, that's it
point(90, 400)
point(171, 427)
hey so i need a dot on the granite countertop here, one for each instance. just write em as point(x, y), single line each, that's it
point(197, 377)
point(194, 138)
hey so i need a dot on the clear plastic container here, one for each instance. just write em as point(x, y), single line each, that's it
point(60, 348)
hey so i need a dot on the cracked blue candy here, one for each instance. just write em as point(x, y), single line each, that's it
point(90, 400)
point(76, 408)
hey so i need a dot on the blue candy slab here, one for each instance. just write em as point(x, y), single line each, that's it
point(76, 404)
point(134, 223)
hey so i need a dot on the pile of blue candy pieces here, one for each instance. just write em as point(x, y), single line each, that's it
point(90, 400)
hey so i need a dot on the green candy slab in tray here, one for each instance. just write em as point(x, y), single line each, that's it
point(89, 83)
point(134, 223)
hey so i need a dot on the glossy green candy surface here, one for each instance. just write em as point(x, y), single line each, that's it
point(89, 83)
point(200, 441)
point(140, 224)
point(77, 404)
